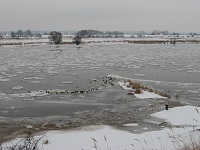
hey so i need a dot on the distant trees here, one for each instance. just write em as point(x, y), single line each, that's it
point(89, 33)
point(158, 32)
point(55, 37)
point(13, 34)
point(27, 33)
point(38, 35)
point(97, 34)
point(20, 33)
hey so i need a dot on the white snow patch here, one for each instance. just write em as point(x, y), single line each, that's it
point(146, 94)
point(124, 85)
point(106, 137)
point(185, 115)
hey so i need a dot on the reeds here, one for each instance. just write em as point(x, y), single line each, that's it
point(138, 87)
point(27, 143)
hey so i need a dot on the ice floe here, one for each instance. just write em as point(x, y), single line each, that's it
point(35, 81)
point(38, 93)
point(140, 75)
point(17, 88)
point(27, 78)
point(52, 72)
point(130, 125)
point(67, 82)
point(4, 80)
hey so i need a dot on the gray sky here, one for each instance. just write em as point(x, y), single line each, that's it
point(122, 15)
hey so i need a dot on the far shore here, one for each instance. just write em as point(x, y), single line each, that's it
point(28, 41)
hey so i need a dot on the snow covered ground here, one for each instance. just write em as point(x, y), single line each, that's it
point(186, 115)
point(105, 137)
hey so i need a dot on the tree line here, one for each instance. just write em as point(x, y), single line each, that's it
point(27, 33)
point(100, 34)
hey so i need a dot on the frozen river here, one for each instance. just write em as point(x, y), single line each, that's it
point(26, 69)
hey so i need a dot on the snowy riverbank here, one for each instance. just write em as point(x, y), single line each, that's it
point(106, 137)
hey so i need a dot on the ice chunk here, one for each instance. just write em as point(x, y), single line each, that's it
point(17, 88)
point(4, 80)
point(35, 81)
point(67, 82)
point(131, 125)
point(40, 93)
point(140, 75)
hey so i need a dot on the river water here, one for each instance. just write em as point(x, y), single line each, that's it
point(28, 69)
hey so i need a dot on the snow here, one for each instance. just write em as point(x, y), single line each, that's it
point(146, 94)
point(143, 95)
point(124, 85)
point(105, 137)
point(185, 115)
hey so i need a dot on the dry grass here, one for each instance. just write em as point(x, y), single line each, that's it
point(138, 91)
point(28, 143)
point(138, 87)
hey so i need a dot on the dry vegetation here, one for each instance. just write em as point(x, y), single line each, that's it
point(27, 143)
point(138, 87)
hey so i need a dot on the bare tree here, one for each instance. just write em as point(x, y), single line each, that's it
point(55, 37)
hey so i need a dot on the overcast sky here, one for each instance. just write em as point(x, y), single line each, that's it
point(121, 15)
